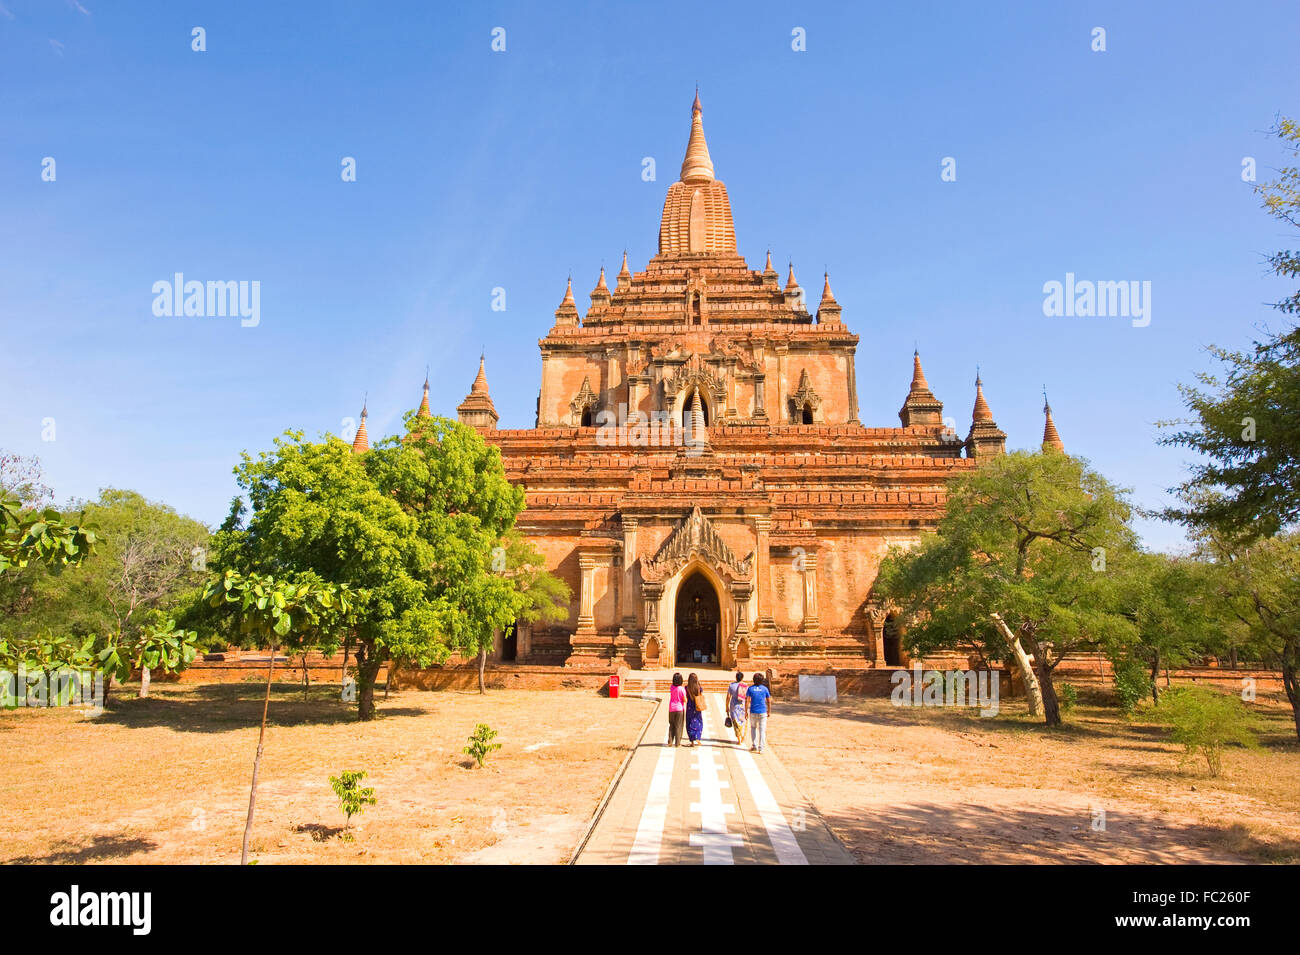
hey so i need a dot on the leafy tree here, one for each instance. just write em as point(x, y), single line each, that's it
point(274, 610)
point(1247, 423)
point(1176, 612)
point(145, 565)
point(315, 509)
point(453, 484)
point(1260, 587)
point(1021, 563)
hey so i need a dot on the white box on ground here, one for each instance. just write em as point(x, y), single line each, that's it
point(816, 689)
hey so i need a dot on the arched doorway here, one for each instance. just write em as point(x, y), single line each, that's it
point(893, 641)
point(698, 621)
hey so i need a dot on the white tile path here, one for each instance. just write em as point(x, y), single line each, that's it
point(714, 804)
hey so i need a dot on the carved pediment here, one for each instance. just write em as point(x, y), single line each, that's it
point(804, 396)
point(694, 537)
point(586, 399)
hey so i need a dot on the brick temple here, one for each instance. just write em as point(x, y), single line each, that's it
point(698, 472)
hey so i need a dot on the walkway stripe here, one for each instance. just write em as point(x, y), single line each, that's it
point(650, 832)
point(779, 833)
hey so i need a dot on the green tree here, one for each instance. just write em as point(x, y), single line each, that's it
point(486, 575)
point(1246, 423)
point(1021, 563)
point(1176, 611)
point(353, 799)
point(1260, 588)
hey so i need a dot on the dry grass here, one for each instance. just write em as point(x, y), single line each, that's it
point(907, 785)
point(165, 780)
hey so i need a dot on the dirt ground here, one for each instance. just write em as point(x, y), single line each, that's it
point(916, 785)
point(165, 780)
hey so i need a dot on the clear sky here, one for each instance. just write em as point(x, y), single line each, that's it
point(479, 169)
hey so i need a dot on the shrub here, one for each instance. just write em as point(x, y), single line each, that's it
point(1069, 697)
point(1132, 682)
point(352, 799)
point(1206, 722)
point(480, 743)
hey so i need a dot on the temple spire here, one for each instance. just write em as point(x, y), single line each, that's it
point(697, 166)
point(981, 411)
point(423, 411)
point(361, 443)
point(567, 313)
point(920, 407)
point(1051, 437)
point(480, 386)
point(984, 440)
point(624, 276)
point(918, 375)
point(477, 409)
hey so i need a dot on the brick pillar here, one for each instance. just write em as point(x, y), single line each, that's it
point(587, 600)
point(760, 396)
point(853, 385)
point(811, 621)
point(763, 527)
point(629, 559)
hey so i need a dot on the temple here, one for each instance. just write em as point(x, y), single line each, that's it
point(698, 472)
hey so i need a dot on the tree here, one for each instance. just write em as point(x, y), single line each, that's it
point(1021, 563)
point(1260, 587)
point(1176, 612)
point(1247, 423)
point(160, 646)
point(145, 564)
point(274, 610)
point(315, 508)
point(485, 574)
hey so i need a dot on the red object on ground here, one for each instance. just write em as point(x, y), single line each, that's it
point(613, 687)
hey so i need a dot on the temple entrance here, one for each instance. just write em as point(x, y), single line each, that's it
point(698, 620)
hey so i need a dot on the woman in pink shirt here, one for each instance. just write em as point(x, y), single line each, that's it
point(676, 710)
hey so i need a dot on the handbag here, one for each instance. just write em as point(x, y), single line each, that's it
point(727, 722)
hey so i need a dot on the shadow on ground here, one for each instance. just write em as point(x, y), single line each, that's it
point(223, 707)
point(922, 834)
point(100, 849)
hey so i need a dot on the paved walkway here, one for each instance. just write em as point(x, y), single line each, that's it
point(713, 804)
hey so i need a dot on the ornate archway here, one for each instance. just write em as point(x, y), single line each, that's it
point(695, 556)
point(698, 620)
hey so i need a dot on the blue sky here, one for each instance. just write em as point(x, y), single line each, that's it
point(478, 169)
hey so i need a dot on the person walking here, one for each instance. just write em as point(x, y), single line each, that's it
point(736, 707)
point(694, 710)
point(758, 701)
point(676, 710)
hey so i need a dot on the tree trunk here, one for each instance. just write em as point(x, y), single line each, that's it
point(343, 674)
point(482, 665)
point(388, 676)
point(1155, 679)
point(144, 683)
point(1291, 680)
point(306, 679)
point(1033, 691)
point(368, 663)
point(257, 762)
point(1051, 705)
